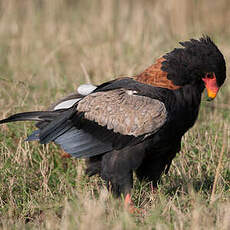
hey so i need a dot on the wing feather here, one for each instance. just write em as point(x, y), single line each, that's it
point(81, 144)
point(124, 112)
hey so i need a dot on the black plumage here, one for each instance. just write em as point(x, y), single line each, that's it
point(112, 128)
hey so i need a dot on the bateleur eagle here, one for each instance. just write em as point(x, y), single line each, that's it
point(134, 124)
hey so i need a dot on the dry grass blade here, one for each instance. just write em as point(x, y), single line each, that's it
point(225, 135)
point(42, 46)
point(87, 77)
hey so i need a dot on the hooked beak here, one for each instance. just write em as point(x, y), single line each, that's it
point(211, 87)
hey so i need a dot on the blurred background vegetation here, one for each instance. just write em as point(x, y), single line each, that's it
point(48, 48)
point(52, 43)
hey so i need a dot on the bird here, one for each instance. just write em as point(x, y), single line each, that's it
point(69, 100)
point(134, 124)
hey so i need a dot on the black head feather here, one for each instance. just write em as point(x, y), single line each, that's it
point(189, 64)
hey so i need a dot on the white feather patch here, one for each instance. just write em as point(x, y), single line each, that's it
point(66, 104)
point(86, 89)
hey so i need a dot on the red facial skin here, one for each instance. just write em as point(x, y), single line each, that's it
point(211, 85)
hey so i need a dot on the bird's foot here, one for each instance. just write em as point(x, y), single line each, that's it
point(65, 155)
point(131, 208)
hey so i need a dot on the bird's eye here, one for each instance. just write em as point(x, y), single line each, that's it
point(210, 75)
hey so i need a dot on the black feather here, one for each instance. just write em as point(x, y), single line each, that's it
point(79, 143)
point(31, 116)
point(189, 64)
point(57, 126)
point(114, 156)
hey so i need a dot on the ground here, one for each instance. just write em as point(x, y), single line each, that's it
point(50, 47)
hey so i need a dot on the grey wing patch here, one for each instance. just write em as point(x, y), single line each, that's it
point(124, 112)
point(77, 142)
point(81, 144)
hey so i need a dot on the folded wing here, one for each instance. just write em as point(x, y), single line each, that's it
point(124, 111)
point(106, 120)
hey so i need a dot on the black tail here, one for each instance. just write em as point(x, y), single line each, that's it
point(32, 116)
point(51, 124)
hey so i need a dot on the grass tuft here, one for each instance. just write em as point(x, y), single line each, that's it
point(50, 47)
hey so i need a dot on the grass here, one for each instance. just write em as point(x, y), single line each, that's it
point(50, 47)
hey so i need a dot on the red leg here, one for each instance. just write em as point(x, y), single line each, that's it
point(128, 200)
point(130, 206)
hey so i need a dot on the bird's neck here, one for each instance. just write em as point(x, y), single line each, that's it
point(188, 100)
point(187, 96)
point(155, 76)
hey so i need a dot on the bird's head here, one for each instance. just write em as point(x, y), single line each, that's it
point(199, 62)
